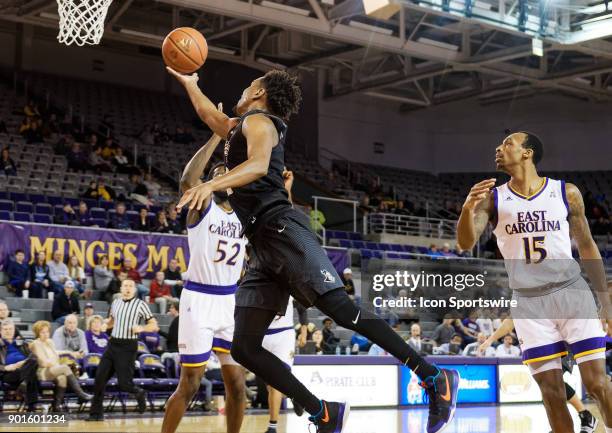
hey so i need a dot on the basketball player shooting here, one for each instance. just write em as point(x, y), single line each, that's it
point(286, 255)
point(217, 253)
point(535, 219)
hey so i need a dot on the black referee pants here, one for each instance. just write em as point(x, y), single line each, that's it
point(119, 359)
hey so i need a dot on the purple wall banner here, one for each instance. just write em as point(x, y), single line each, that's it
point(151, 252)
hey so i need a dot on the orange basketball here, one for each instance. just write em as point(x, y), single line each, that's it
point(185, 50)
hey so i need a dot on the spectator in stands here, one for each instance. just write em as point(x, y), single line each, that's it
point(39, 274)
point(88, 313)
point(24, 128)
point(472, 348)
point(400, 209)
point(77, 275)
point(415, 337)
point(108, 149)
point(96, 337)
point(18, 274)
point(143, 224)
point(162, 225)
point(170, 357)
point(329, 338)
point(133, 274)
point(484, 322)
point(152, 186)
point(92, 191)
point(349, 284)
point(444, 331)
point(83, 217)
point(77, 159)
point(69, 338)
point(5, 313)
point(121, 162)
point(102, 275)
point(67, 216)
point(50, 367)
point(7, 165)
point(113, 291)
point(137, 191)
point(119, 220)
point(97, 162)
point(65, 303)
point(317, 339)
point(31, 109)
point(468, 327)
point(446, 251)
point(175, 225)
point(105, 192)
point(159, 292)
point(17, 364)
point(58, 272)
point(174, 278)
point(51, 126)
point(507, 349)
point(453, 347)
point(433, 251)
point(152, 340)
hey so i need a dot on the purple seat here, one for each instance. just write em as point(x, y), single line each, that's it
point(18, 196)
point(6, 205)
point(397, 247)
point(346, 243)
point(90, 202)
point(372, 245)
point(423, 250)
point(354, 236)
point(100, 222)
point(43, 218)
point(359, 244)
point(38, 198)
point(24, 206)
point(385, 247)
point(5, 215)
point(106, 204)
point(74, 202)
point(132, 216)
point(4, 195)
point(98, 213)
point(43, 208)
point(22, 217)
point(54, 200)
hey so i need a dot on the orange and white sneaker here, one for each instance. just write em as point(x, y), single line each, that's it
point(442, 392)
point(332, 417)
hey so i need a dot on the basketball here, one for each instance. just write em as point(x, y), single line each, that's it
point(185, 50)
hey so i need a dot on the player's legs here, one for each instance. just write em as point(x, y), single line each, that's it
point(177, 404)
point(281, 345)
point(275, 399)
point(235, 399)
point(549, 377)
point(598, 386)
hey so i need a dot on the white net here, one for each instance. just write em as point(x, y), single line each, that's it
point(81, 21)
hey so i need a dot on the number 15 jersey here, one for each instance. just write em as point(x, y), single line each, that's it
point(533, 235)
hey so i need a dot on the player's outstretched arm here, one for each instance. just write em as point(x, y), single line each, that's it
point(587, 248)
point(261, 137)
point(475, 214)
point(195, 167)
point(216, 120)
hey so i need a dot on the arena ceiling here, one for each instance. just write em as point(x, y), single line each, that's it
point(426, 53)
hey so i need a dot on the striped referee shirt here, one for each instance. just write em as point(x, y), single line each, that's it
point(126, 315)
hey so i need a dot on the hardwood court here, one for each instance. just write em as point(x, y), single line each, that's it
point(510, 418)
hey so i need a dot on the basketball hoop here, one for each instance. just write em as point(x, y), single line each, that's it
point(81, 21)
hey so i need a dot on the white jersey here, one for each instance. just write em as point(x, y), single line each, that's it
point(533, 235)
point(286, 321)
point(217, 251)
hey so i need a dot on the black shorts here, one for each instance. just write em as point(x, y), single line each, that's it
point(286, 259)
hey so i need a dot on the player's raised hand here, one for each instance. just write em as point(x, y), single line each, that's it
point(184, 79)
point(288, 178)
point(478, 193)
point(195, 197)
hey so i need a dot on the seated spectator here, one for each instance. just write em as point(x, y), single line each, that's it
point(102, 275)
point(67, 217)
point(77, 275)
point(468, 327)
point(7, 165)
point(453, 347)
point(97, 339)
point(83, 217)
point(65, 303)
point(172, 335)
point(152, 340)
point(415, 340)
point(317, 338)
point(88, 313)
point(160, 292)
point(18, 365)
point(174, 278)
point(39, 274)
point(121, 162)
point(5, 313)
point(507, 349)
point(329, 338)
point(133, 274)
point(77, 159)
point(92, 191)
point(444, 331)
point(50, 367)
point(24, 127)
point(97, 161)
point(119, 220)
point(152, 186)
point(108, 149)
point(485, 324)
point(446, 251)
point(70, 339)
point(113, 291)
point(472, 348)
point(349, 284)
point(58, 272)
point(105, 192)
point(174, 223)
point(433, 251)
point(18, 273)
point(137, 191)
point(143, 224)
point(31, 109)
point(162, 225)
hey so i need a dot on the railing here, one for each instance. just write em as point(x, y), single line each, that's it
point(336, 207)
point(410, 225)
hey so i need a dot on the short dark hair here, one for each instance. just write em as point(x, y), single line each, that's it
point(327, 319)
point(534, 143)
point(19, 251)
point(284, 93)
point(212, 169)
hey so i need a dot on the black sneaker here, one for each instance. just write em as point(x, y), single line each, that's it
point(297, 408)
point(142, 402)
point(95, 417)
point(588, 423)
point(332, 417)
point(271, 430)
point(442, 394)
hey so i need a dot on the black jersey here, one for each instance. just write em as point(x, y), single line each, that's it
point(266, 194)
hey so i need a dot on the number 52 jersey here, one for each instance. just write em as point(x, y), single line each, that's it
point(533, 235)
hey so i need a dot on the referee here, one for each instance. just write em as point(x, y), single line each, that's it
point(126, 314)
